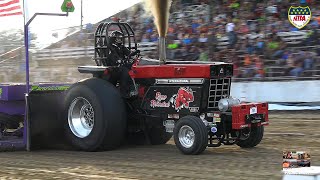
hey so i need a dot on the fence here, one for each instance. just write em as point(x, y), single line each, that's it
point(80, 52)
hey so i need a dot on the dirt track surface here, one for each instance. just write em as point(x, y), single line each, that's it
point(298, 131)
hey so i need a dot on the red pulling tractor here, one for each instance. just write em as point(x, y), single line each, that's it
point(189, 100)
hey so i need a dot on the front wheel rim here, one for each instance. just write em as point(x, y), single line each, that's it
point(81, 117)
point(186, 136)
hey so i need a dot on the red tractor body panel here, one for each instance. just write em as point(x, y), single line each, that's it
point(244, 114)
point(171, 71)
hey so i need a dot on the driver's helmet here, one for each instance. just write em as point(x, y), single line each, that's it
point(116, 37)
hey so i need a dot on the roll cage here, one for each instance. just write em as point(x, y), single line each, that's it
point(102, 41)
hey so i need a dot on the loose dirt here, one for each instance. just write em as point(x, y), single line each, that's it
point(291, 131)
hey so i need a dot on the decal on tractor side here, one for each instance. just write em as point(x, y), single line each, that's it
point(178, 101)
point(182, 99)
point(159, 101)
point(59, 88)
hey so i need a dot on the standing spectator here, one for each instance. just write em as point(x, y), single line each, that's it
point(212, 44)
point(203, 55)
point(195, 25)
point(230, 33)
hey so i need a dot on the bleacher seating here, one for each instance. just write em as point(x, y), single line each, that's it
point(190, 12)
point(70, 56)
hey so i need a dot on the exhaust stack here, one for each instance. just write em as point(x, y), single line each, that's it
point(162, 50)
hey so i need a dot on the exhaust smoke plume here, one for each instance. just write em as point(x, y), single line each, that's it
point(160, 11)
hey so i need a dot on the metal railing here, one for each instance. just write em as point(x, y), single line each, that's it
point(81, 52)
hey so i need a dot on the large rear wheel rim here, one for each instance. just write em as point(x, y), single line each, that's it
point(186, 136)
point(81, 117)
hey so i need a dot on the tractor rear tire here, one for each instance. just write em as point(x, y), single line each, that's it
point(254, 138)
point(158, 135)
point(190, 135)
point(98, 121)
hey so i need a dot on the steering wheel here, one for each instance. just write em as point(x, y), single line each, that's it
point(130, 60)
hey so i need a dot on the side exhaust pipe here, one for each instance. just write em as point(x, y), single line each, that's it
point(162, 50)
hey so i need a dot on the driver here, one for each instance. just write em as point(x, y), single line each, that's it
point(119, 54)
point(118, 51)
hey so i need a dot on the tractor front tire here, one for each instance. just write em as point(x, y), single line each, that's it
point(190, 135)
point(96, 115)
point(254, 138)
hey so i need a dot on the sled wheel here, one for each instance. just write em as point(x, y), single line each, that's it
point(96, 117)
point(253, 137)
point(158, 135)
point(190, 135)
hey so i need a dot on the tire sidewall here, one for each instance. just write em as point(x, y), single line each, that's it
point(255, 137)
point(99, 125)
point(198, 141)
point(109, 115)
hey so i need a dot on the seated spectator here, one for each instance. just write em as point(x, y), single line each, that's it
point(172, 48)
point(247, 70)
point(154, 37)
point(289, 65)
point(313, 37)
point(284, 58)
point(193, 54)
point(186, 2)
point(249, 46)
point(145, 38)
point(275, 47)
point(187, 40)
point(247, 60)
point(308, 61)
point(259, 48)
point(243, 29)
point(236, 67)
point(203, 40)
point(259, 67)
point(297, 70)
point(235, 4)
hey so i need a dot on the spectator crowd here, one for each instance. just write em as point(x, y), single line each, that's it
point(250, 27)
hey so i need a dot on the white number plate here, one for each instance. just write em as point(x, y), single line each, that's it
point(253, 110)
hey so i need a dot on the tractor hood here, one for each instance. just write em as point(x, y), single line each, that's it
point(148, 68)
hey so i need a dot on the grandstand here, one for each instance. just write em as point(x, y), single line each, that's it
point(262, 44)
